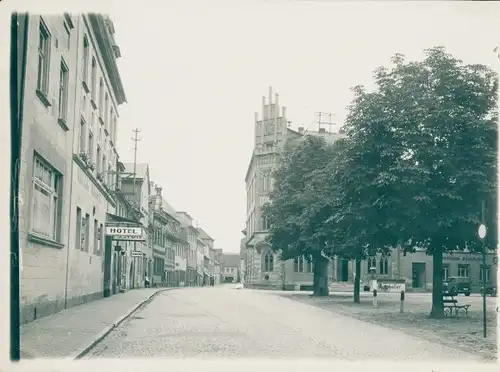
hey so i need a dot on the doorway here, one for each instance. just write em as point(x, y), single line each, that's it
point(418, 275)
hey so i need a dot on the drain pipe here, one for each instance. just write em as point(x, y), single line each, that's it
point(75, 115)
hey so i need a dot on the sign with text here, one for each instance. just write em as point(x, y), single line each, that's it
point(125, 233)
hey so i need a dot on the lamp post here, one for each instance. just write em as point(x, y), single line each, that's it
point(482, 234)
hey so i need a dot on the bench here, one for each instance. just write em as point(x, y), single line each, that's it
point(452, 307)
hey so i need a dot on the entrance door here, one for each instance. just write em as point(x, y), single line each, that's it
point(344, 270)
point(418, 274)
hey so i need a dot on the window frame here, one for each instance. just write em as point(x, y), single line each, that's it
point(54, 191)
point(86, 55)
point(63, 91)
point(43, 73)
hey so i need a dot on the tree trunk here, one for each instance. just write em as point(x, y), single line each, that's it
point(437, 284)
point(321, 277)
point(357, 285)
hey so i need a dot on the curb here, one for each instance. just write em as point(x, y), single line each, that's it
point(101, 335)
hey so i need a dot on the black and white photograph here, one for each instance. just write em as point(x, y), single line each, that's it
point(252, 179)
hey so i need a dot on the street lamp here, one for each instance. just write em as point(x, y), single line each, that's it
point(482, 234)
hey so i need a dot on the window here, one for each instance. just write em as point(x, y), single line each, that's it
point(43, 59)
point(384, 266)
point(110, 175)
point(101, 239)
point(78, 235)
point(268, 262)
point(63, 92)
point(310, 266)
point(101, 98)
point(96, 236)
point(372, 262)
point(265, 224)
point(106, 111)
point(98, 160)
point(86, 229)
point(298, 264)
point(487, 271)
point(90, 147)
point(83, 133)
point(445, 271)
point(463, 271)
point(68, 36)
point(46, 200)
point(85, 66)
point(94, 79)
point(103, 168)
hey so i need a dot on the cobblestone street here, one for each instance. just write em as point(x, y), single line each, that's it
point(225, 322)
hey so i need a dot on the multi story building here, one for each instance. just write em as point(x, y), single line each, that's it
point(190, 234)
point(135, 187)
point(272, 133)
point(201, 247)
point(68, 159)
point(129, 213)
point(219, 262)
point(207, 245)
point(230, 270)
point(243, 252)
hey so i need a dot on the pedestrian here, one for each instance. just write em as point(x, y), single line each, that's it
point(146, 281)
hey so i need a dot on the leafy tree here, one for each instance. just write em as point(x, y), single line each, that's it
point(295, 212)
point(423, 156)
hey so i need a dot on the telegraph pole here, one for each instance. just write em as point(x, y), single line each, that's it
point(325, 118)
point(135, 139)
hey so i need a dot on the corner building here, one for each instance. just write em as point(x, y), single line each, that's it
point(263, 268)
point(72, 93)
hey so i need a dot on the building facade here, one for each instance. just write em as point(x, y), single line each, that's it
point(68, 158)
point(190, 234)
point(135, 187)
point(230, 270)
point(263, 267)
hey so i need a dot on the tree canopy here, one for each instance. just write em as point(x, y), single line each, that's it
point(417, 162)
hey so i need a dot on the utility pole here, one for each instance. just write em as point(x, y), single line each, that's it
point(135, 139)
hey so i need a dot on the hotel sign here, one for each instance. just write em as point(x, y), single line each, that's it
point(126, 233)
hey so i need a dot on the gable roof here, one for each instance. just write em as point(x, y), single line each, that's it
point(204, 235)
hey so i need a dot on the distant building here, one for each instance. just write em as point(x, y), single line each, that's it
point(190, 234)
point(230, 270)
point(208, 245)
point(272, 134)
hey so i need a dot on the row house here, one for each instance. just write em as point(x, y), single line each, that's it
point(135, 187)
point(68, 168)
point(128, 212)
point(190, 234)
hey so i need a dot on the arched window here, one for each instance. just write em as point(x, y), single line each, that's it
point(372, 262)
point(384, 266)
point(268, 262)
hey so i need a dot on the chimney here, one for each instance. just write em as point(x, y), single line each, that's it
point(322, 130)
point(270, 95)
point(158, 190)
point(301, 129)
point(276, 99)
point(283, 109)
point(256, 117)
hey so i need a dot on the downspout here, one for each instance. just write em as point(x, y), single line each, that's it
point(72, 162)
point(17, 97)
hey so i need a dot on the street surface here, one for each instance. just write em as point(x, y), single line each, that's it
point(228, 322)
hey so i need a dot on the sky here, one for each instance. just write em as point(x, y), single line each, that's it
point(194, 73)
point(194, 76)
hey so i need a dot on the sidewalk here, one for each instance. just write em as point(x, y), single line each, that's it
point(68, 333)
